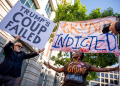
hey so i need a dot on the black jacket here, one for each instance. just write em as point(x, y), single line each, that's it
point(12, 59)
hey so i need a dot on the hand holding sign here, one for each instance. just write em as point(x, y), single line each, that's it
point(16, 38)
point(40, 51)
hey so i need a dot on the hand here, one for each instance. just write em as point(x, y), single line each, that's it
point(48, 65)
point(18, 37)
point(40, 51)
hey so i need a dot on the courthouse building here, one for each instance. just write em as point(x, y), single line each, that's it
point(33, 71)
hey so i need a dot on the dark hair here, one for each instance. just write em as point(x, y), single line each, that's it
point(117, 27)
point(106, 28)
point(82, 55)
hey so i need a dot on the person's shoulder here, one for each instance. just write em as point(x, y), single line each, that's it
point(22, 52)
point(86, 63)
point(68, 63)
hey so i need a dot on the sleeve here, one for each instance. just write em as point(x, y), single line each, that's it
point(66, 66)
point(7, 47)
point(30, 55)
point(88, 66)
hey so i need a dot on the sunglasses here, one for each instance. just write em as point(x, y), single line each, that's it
point(19, 46)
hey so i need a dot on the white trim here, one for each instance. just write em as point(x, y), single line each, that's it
point(36, 4)
point(9, 3)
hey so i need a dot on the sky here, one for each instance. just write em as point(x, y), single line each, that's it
point(103, 4)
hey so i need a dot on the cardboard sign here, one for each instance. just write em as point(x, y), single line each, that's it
point(31, 26)
point(86, 36)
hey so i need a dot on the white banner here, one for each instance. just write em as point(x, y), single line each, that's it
point(33, 28)
point(86, 36)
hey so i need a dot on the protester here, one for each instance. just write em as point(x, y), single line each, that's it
point(114, 27)
point(76, 72)
point(10, 68)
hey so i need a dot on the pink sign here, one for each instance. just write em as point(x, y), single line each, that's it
point(86, 36)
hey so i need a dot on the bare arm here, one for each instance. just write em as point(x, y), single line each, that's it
point(95, 69)
point(16, 38)
point(56, 69)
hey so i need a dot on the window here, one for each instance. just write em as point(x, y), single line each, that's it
point(102, 79)
point(115, 72)
point(106, 80)
point(23, 1)
point(98, 74)
point(115, 76)
point(29, 3)
point(94, 84)
point(116, 82)
point(102, 84)
point(98, 79)
point(48, 9)
point(111, 72)
point(111, 75)
point(106, 75)
point(102, 74)
point(111, 81)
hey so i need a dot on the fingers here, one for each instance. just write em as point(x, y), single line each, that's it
point(18, 37)
point(43, 49)
point(48, 65)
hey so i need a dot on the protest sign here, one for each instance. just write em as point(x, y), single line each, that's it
point(33, 28)
point(86, 36)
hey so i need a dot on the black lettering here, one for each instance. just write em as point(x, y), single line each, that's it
point(47, 24)
point(29, 21)
point(37, 39)
point(42, 29)
point(26, 11)
point(42, 20)
point(14, 16)
point(9, 24)
point(14, 28)
point(23, 35)
point(22, 8)
point(36, 17)
point(21, 31)
point(31, 28)
point(32, 15)
point(30, 36)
